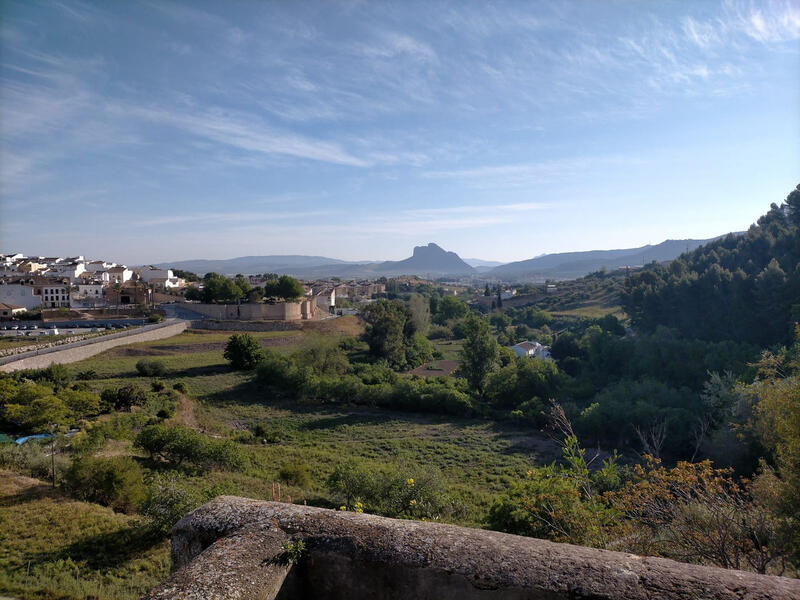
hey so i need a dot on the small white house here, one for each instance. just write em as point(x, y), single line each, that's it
point(148, 273)
point(89, 295)
point(11, 310)
point(326, 299)
point(119, 274)
point(531, 349)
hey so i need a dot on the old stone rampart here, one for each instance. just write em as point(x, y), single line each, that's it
point(281, 311)
point(237, 548)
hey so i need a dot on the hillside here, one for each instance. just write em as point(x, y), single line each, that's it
point(742, 288)
point(570, 265)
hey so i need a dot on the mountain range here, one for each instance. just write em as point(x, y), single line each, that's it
point(433, 261)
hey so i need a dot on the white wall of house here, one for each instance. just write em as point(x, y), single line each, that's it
point(21, 295)
point(120, 275)
point(147, 274)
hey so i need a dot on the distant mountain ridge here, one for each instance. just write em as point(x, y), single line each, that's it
point(430, 260)
point(433, 261)
point(570, 265)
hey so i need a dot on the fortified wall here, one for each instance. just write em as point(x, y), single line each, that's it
point(236, 548)
point(281, 311)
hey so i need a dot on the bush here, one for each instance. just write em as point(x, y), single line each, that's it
point(440, 332)
point(32, 459)
point(158, 386)
point(86, 375)
point(297, 474)
point(154, 318)
point(180, 444)
point(114, 482)
point(180, 387)
point(243, 352)
point(123, 398)
point(167, 501)
point(148, 367)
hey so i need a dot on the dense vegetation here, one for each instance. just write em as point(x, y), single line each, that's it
point(741, 287)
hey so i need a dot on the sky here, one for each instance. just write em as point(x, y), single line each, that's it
point(154, 131)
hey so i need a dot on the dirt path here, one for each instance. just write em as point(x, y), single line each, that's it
point(185, 413)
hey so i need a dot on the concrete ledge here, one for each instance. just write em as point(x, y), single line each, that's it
point(232, 548)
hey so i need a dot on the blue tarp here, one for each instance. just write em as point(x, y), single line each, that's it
point(41, 436)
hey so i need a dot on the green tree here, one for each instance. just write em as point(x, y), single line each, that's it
point(390, 331)
point(284, 287)
point(115, 482)
point(479, 353)
point(243, 352)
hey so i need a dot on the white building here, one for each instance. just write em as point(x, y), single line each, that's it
point(11, 310)
point(19, 294)
point(90, 294)
point(69, 270)
point(326, 299)
point(99, 265)
point(119, 274)
point(148, 273)
point(531, 350)
point(56, 295)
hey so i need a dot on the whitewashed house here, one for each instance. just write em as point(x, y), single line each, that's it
point(119, 274)
point(531, 349)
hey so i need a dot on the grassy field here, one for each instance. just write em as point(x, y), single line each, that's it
point(55, 548)
point(476, 458)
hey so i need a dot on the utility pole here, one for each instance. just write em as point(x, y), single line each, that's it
point(52, 427)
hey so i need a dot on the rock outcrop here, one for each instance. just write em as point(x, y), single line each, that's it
point(237, 548)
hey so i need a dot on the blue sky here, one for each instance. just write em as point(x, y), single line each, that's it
point(154, 131)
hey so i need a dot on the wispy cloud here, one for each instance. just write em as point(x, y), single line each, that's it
point(487, 209)
point(217, 218)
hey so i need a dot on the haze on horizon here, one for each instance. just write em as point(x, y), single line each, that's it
point(153, 131)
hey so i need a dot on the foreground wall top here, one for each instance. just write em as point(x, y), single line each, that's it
point(236, 548)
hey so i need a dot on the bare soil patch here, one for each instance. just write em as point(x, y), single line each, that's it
point(436, 368)
point(346, 325)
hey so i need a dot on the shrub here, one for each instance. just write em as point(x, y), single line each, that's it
point(243, 352)
point(114, 482)
point(179, 443)
point(440, 332)
point(86, 375)
point(167, 501)
point(148, 367)
point(180, 387)
point(162, 406)
point(154, 318)
point(123, 398)
point(158, 386)
point(297, 474)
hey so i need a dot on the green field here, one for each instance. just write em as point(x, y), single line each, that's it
point(475, 457)
point(59, 538)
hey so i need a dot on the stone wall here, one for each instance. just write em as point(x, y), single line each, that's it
point(234, 548)
point(247, 325)
point(80, 350)
point(282, 311)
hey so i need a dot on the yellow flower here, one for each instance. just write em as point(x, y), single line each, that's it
point(359, 508)
point(342, 507)
point(410, 481)
point(413, 503)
